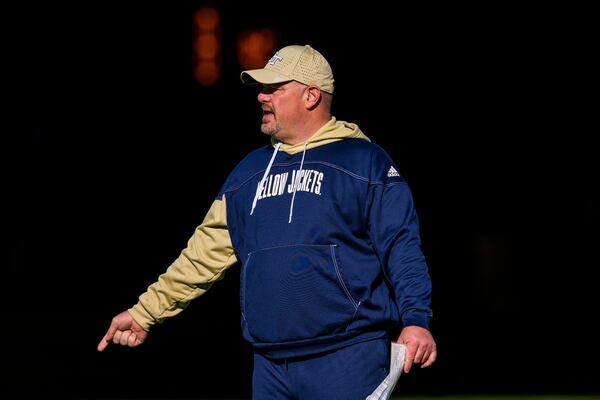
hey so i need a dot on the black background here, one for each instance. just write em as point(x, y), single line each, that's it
point(113, 153)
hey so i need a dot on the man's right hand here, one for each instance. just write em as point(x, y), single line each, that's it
point(123, 330)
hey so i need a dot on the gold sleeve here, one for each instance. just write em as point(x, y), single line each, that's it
point(208, 254)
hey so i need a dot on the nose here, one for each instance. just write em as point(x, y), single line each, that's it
point(262, 97)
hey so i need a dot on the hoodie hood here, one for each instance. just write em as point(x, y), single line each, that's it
point(332, 131)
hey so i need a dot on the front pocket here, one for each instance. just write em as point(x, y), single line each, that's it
point(293, 293)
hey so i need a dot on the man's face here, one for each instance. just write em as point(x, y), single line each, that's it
point(283, 109)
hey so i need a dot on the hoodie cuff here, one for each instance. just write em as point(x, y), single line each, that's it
point(141, 316)
point(421, 320)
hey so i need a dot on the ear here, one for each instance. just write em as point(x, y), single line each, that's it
point(312, 97)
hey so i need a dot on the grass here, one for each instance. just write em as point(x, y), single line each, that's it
point(501, 397)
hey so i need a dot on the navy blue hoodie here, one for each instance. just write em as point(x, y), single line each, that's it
point(329, 245)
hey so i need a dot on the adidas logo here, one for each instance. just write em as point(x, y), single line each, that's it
point(392, 172)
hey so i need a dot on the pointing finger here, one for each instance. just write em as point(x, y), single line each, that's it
point(107, 337)
point(103, 343)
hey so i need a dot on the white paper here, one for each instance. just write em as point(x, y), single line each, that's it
point(385, 388)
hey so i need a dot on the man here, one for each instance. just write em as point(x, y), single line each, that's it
point(328, 240)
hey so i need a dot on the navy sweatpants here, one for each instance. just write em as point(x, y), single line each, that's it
point(349, 373)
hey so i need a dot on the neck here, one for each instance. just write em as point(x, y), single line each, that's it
point(308, 128)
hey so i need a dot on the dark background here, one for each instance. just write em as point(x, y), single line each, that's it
point(113, 153)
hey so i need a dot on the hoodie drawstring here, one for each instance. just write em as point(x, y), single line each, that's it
point(296, 181)
point(264, 178)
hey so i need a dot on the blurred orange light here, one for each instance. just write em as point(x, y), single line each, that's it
point(207, 72)
point(207, 46)
point(207, 18)
point(254, 48)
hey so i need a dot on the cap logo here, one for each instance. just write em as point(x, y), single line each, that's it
point(276, 57)
point(302, 64)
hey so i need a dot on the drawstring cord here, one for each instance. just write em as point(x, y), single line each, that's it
point(296, 182)
point(264, 178)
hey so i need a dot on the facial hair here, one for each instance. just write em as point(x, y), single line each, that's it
point(269, 129)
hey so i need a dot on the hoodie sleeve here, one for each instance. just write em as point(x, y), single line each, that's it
point(208, 254)
point(394, 231)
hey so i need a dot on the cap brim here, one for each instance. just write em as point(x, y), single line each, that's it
point(263, 76)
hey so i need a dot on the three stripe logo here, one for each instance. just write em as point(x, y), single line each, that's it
point(392, 172)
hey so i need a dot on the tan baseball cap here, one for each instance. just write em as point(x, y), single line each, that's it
point(294, 63)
